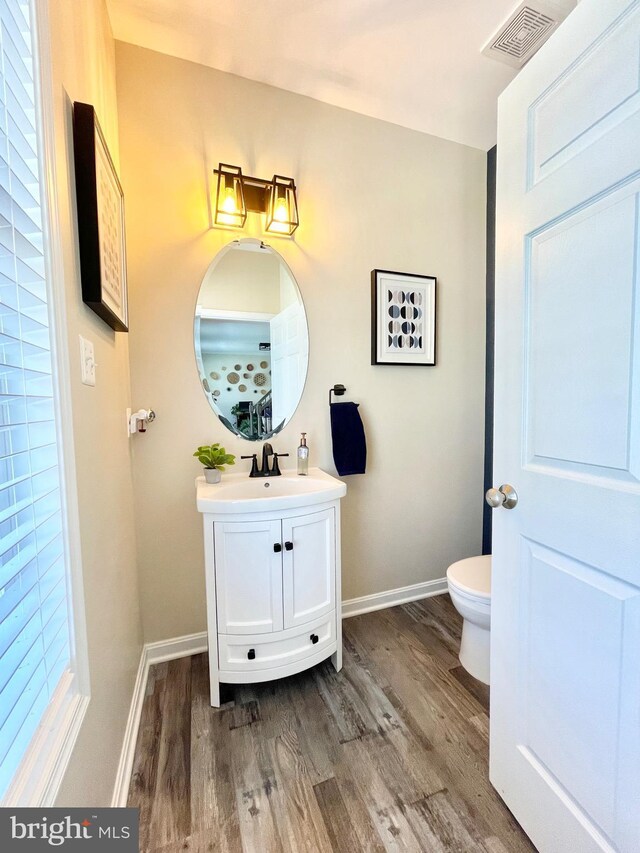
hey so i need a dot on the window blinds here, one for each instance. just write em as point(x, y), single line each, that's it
point(34, 607)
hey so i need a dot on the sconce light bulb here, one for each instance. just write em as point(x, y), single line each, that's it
point(229, 201)
point(280, 218)
point(281, 212)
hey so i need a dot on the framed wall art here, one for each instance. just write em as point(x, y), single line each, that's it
point(100, 201)
point(403, 318)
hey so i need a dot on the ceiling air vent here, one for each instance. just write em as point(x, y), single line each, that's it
point(524, 33)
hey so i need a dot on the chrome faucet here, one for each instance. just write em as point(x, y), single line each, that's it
point(265, 471)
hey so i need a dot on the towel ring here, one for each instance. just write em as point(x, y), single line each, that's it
point(338, 390)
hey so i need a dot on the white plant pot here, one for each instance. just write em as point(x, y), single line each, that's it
point(212, 475)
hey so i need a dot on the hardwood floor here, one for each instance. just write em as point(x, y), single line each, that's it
point(388, 755)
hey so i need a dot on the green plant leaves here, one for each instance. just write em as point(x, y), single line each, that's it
point(214, 456)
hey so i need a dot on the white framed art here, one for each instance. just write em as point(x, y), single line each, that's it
point(403, 318)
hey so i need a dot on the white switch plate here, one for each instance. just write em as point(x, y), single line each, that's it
point(128, 423)
point(87, 362)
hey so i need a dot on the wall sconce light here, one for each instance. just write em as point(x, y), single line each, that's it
point(282, 208)
point(230, 209)
point(237, 193)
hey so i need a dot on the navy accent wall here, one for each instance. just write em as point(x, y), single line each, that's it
point(490, 319)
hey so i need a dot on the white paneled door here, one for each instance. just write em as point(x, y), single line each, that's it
point(289, 358)
point(565, 666)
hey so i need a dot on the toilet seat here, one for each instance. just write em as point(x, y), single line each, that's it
point(472, 576)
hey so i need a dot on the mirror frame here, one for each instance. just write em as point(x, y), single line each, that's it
point(198, 353)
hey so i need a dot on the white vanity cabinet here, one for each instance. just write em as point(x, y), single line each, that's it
point(273, 583)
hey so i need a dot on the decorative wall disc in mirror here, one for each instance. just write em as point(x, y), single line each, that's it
point(248, 298)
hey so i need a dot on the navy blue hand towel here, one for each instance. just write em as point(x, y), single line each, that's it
point(349, 442)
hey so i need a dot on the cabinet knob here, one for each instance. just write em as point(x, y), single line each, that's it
point(251, 654)
point(314, 639)
point(288, 546)
point(277, 547)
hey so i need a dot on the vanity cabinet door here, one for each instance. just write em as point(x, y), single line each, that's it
point(308, 563)
point(248, 576)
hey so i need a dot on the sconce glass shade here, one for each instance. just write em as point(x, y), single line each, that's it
point(282, 206)
point(230, 208)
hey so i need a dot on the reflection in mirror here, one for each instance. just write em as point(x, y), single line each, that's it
point(251, 340)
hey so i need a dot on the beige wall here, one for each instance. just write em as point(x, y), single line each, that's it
point(84, 70)
point(371, 194)
point(243, 281)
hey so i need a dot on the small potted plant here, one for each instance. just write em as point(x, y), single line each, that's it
point(214, 457)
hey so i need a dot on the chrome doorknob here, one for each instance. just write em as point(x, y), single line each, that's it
point(506, 497)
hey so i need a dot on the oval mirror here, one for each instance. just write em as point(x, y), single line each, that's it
point(251, 339)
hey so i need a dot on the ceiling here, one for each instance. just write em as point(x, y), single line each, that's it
point(416, 63)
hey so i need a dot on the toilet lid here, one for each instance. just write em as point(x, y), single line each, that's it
point(472, 575)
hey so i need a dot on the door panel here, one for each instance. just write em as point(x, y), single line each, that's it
point(575, 618)
point(565, 620)
point(309, 567)
point(582, 273)
point(564, 121)
point(248, 577)
point(289, 359)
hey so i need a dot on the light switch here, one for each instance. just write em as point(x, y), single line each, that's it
point(87, 362)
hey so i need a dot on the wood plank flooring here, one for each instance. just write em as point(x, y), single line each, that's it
point(388, 755)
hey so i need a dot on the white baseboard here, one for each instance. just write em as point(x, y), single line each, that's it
point(152, 653)
point(178, 647)
point(392, 597)
point(193, 644)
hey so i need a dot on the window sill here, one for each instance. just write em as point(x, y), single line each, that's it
point(40, 774)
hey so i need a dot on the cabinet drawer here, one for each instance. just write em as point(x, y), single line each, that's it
point(278, 649)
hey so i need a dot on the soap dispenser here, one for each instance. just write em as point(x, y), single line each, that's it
point(303, 455)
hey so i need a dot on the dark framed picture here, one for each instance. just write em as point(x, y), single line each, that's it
point(100, 200)
point(403, 318)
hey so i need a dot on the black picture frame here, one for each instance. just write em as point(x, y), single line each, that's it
point(422, 350)
point(101, 234)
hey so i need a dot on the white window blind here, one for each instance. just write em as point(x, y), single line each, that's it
point(35, 635)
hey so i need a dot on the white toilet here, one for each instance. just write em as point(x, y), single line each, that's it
point(470, 590)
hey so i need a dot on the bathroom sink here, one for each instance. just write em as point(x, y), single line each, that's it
point(239, 493)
